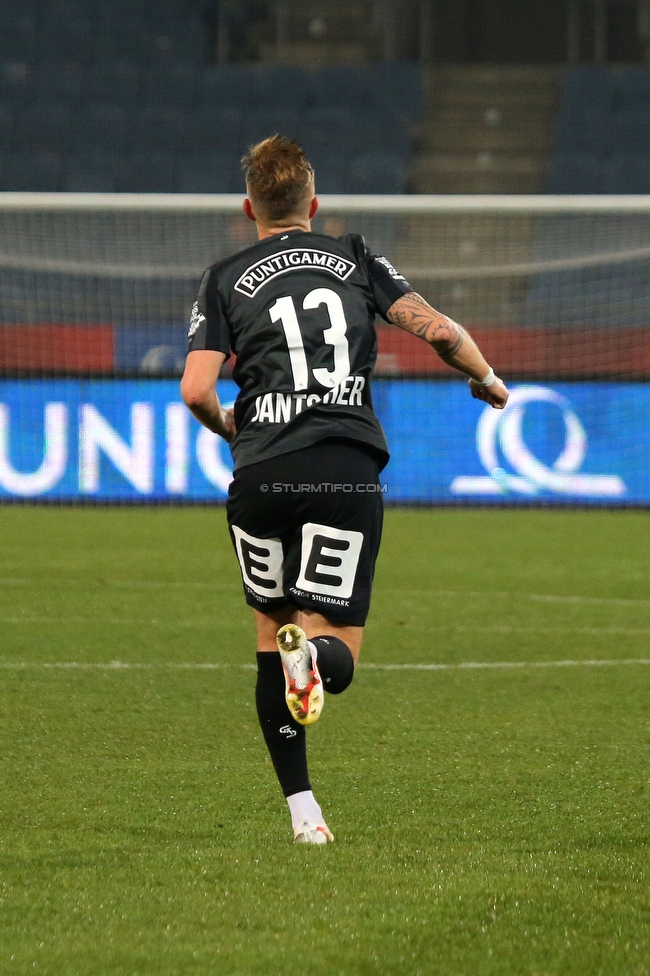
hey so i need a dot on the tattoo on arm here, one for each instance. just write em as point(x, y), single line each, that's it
point(453, 349)
point(413, 314)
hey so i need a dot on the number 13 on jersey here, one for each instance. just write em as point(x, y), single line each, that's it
point(284, 311)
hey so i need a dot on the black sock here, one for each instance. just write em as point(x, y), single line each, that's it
point(335, 663)
point(285, 738)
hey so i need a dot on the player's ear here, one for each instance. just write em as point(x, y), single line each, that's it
point(313, 207)
point(248, 210)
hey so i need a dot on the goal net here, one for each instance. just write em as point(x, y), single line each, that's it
point(95, 293)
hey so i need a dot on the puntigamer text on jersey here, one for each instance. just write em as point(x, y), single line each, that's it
point(258, 274)
point(280, 408)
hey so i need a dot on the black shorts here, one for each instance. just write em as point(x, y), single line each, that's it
point(306, 527)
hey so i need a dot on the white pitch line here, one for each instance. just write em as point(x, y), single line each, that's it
point(123, 666)
point(235, 587)
point(175, 585)
point(215, 666)
point(123, 584)
point(508, 595)
point(486, 665)
point(193, 624)
point(592, 631)
point(108, 621)
point(443, 628)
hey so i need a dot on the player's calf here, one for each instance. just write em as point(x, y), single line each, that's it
point(335, 663)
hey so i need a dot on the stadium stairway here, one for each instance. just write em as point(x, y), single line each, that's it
point(486, 129)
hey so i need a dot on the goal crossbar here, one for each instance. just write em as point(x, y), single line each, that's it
point(402, 204)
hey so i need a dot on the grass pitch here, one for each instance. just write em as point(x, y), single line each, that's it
point(489, 820)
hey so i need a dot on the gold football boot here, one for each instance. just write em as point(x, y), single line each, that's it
point(303, 685)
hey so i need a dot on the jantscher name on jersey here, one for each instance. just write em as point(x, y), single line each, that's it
point(280, 408)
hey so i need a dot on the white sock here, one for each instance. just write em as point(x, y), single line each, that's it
point(303, 807)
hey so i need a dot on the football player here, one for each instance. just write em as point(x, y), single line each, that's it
point(298, 311)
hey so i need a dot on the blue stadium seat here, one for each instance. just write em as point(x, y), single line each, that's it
point(43, 126)
point(157, 127)
point(576, 173)
point(631, 86)
point(74, 43)
point(327, 129)
point(29, 170)
point(344, 85)
point(25, 8)
point(209, 172)
point(381, 128)
point(260, 123)
point(331, 171)
point(602, 131)
point(377, 172)
point(627, 172)
point(587, 85)
point(166, 9)
point(19, 37)
point(398, 84)
point(56, 11)
point(127, 46)
point(179, 40)
point(66, 31)
point(119, 16)
point(583, 130)
point(57, 81)
point(163, 11)
point(214, 128)
point(15, 81)
point(226, 85)
point(170, 85)
point(147, 171)
point(113, 81)
point(99, 127)
point(91, 172)
point(6, 125)
point(120, 32)
point(279, 85)
point(631, 128)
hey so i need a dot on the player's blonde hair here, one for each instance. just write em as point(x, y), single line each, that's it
point(279, 177)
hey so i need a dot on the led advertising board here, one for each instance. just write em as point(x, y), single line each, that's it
point(134, 440)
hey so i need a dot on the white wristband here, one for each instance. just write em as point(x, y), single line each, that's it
point(487, 380)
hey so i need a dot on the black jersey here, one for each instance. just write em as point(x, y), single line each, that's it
point(298, 312)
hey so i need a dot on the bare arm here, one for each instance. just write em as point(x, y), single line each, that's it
point(198, 389)
point(452, 343)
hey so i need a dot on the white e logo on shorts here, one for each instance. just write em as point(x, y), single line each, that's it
point(329, 560)
point(261, 563)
